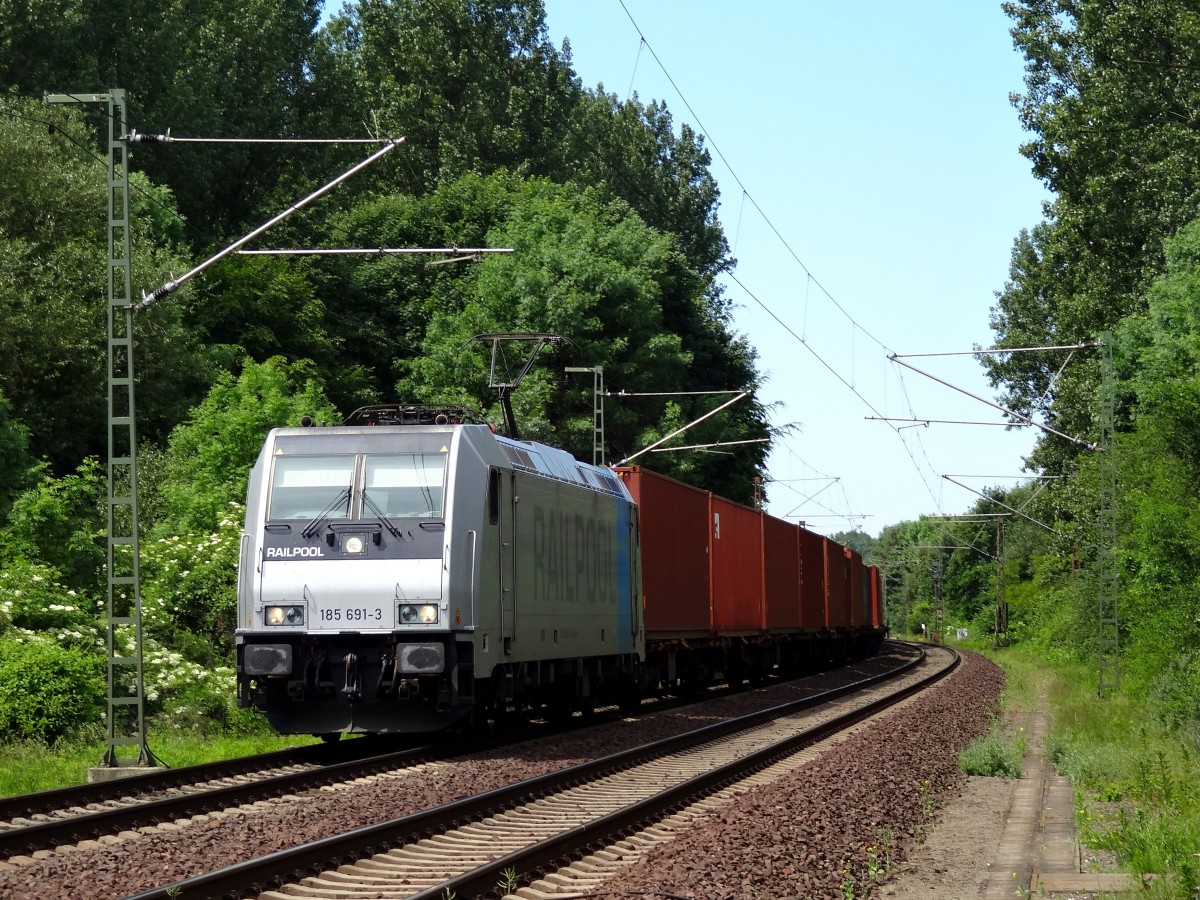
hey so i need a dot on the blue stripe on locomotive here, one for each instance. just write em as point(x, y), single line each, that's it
point(624, 576)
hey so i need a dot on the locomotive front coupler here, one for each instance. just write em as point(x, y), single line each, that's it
point(352, 686)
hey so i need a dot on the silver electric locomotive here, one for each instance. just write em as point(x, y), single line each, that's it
point(412, 570)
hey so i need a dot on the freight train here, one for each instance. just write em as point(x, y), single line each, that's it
point(413, 571)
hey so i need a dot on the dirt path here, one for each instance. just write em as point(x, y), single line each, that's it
point(1024, 826)
point(956, 858)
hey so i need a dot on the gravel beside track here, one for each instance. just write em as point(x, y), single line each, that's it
point(825, 829)
point(166, 854)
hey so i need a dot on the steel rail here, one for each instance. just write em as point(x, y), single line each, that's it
point(55, 799)
point(331, 763)
point(90, 825)
point(579, 840)
point(257, 875)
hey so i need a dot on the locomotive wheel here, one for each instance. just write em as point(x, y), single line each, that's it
point(330, 737)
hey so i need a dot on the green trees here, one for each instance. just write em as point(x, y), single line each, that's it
point(585, 267)
point(1160, 470)
point(51, 569)
point(14, 449)
point(1110, 96)
point(487, 106)
point(209, 456)
point(608, 204)
point(52, 274)
point(33, 675)
point(472, 87)
point(1050, 580)
point(1110, 99)
point(213, 69)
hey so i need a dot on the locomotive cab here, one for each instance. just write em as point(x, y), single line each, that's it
point(343, 587)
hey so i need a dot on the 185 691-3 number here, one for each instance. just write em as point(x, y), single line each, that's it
point(352, 614)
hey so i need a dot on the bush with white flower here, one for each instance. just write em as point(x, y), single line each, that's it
point(189, 589)
point(34, 602)
point(52, 553)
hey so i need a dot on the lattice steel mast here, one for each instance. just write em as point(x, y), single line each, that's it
point(126, 701)
point(1109, 650)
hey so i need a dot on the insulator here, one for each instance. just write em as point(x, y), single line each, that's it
point(136, 137)
point(157, 294)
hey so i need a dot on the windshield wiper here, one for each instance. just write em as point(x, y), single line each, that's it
point(319, 519)
point(387, 523)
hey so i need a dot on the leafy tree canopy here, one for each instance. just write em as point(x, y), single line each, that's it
point(59, 522)
point(14, 450)
point(586, 268)
point(1111, 97)
point(211, 453)
point(53, 278)
point(214, 69)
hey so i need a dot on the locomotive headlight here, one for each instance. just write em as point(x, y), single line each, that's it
point(284, 615)
point(354, 544)
point(411, 614)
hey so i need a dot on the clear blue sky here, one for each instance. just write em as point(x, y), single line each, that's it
point(867, 156)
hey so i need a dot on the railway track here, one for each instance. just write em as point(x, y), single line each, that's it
point(73, 815)
point(469, 847)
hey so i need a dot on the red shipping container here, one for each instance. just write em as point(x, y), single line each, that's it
point(736, 558)
point(860, 611)
point(876, 597)
point(837, 586)
point(812, 580)
point(781, 574)
point(673, 519)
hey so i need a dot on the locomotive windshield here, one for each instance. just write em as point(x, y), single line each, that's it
point(405, 485)
point(394, 486)
point(307, 486)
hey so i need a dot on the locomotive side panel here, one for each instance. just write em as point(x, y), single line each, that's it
point(781, 574)
point(573, 594)
point(471, 535)
point(673, 522)
point(736, 555)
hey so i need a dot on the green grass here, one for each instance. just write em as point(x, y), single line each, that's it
point(992, 756)
point(1137, 783)
point(29, 767)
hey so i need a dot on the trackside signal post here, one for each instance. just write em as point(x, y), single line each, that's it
point(126, 704)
